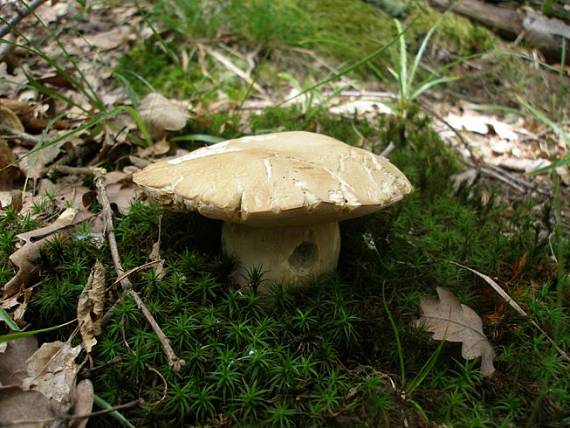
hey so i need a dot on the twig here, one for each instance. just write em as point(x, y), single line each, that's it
point(516, 179)
point(79, 170)
point(134, 270)
point(22, 13)
point(226, 62)
point(505, 180)
point(173, 361)
point(165, 383)
point(514, 305)
point(389, 149)
point(41, 422)
point(29, 140)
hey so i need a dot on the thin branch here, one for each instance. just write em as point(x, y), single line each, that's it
point(27, 139)
point(22, 13)
point(173, 361)
point(229, 65)
point(78, 170)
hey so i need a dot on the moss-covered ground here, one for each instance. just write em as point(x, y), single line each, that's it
point(326, 355)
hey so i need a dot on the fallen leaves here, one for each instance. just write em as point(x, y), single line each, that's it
point(39, 384)
point(52, 370)
point(160, 114)
point(452, 321)
point(90, 307)
point(510, 143)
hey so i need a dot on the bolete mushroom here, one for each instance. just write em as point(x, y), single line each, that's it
point(280, 197)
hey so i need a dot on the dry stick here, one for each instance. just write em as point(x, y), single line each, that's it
point(514, 305)
point(226, 62)
point(11, 23)
point(27, 139)
point(174, 362)
point(505, 180)
point(79, 170)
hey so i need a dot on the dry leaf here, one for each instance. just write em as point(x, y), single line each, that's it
point(83, 402)
point(52, 370)
point(360, 108)
point(121, 190)
point(34, 164)
point(9, 119)
point(90, 306)
point(15, 404)
point(513, 304)
point(159, 114)
point(52, 12)
point(17, 305)
point(105, 40)
point(158, 149)
point(34, 241)
point(9, 175)
point(452, 321)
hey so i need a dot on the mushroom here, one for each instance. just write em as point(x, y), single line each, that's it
point(280, 197)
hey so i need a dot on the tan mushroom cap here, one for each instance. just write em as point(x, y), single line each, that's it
point(281, 179)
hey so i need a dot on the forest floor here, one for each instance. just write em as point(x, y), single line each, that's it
point(479, 126)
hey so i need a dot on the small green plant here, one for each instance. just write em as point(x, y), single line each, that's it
point(408, 89)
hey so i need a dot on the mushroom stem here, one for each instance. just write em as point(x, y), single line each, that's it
point(286, 255)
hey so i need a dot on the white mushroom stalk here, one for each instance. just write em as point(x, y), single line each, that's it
point(281, 197)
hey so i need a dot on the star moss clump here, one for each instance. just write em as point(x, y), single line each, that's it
point(326, 355)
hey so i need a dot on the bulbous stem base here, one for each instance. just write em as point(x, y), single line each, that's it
point(286, 255)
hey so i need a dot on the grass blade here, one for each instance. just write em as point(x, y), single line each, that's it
point(396, 336)
point(419, 55)
point(403, 72)
point(114, 414)
point(348, 68)
point(21, 334)
point(5, 316)
point(430, 84)
point(205, 138)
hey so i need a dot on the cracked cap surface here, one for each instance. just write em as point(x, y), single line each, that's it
point(281, 179)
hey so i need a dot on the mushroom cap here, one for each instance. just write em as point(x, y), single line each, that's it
point(281, 179)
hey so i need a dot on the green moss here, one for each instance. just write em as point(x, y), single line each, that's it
point(324, 350)
point(343, 32)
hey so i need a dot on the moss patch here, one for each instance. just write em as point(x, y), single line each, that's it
point(324, 355)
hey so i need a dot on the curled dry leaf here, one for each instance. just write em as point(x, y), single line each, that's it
point(159, 114)
point(52, 370)
point(90, 306)
point(452, 321)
